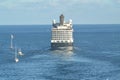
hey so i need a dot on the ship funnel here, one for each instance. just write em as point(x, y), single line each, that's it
point(61, 19)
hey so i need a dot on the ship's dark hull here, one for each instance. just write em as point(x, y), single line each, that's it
point(62, 46)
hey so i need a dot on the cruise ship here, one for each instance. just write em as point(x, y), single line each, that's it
point(62, 34)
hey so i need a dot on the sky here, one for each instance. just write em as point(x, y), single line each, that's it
point(36, 12)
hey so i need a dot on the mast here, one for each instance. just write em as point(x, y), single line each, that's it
point(16, 59)
point(11, 44)
point(15, 53)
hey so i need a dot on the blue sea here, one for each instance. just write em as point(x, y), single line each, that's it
point(96, 54)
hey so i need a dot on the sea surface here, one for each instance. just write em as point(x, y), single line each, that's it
point(96, 54)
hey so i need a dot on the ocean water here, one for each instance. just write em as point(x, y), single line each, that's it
point(96, 54)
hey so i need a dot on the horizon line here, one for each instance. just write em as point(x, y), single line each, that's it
point(51, 24)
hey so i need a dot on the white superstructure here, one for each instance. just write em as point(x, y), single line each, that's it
point(62, 33)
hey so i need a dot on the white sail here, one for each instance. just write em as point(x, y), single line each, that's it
point(20, 52)
point(12, 36)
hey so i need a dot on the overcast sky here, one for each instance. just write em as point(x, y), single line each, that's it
point(21, 12)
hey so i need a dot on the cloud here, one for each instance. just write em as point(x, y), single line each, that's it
point(118, 1)
point(19, 3)
point(51, 3)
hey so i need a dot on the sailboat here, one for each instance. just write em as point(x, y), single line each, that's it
point(16, 59)
point(11, 44)
point(20, 52)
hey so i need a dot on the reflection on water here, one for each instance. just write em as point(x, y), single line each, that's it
point(66, 48)
point(65, 54)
